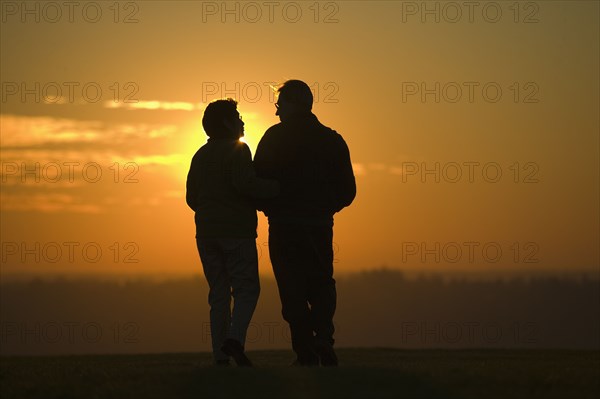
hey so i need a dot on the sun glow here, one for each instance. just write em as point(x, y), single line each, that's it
point(192, 137)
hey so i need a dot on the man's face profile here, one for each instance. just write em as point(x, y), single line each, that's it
point(284, 109)
point(235, 124)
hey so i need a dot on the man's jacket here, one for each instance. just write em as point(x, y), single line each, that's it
point(312, 164)
point(221, 187)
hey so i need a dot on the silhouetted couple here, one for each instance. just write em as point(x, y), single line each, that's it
point(301, 176)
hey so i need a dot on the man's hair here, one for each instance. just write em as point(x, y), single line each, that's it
point(215, 113)
point(296, 92)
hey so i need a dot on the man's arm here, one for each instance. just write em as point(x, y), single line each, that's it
point(263, 165)
point(191, 184)
point(345, 183)
point(262, 158)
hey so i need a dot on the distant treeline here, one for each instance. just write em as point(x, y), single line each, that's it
point(375, 309)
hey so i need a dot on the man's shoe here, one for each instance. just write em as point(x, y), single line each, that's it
point(326, 354)
point(307, 358)
point(235, 349)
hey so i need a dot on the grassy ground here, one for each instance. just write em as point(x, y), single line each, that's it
point(363, 373)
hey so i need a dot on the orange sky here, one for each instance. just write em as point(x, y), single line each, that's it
point(500, 106)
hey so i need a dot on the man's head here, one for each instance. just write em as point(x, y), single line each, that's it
point(294, 97)
point(221, 120)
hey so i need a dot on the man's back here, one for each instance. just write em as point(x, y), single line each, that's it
point(312, 164)
point(222, 207)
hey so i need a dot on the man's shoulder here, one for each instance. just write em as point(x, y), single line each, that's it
point(222, 148)
point(328, 134)
point(272, 137)
point(335, 136)
point(314, 130)
point(200, 152)
point(205, 150)
point(241, 148)
point(278, 127)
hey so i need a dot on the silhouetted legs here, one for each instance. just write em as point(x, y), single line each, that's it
point(302, 259)
point(231, 269)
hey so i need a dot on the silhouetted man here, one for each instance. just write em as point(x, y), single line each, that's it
point(312, 164)
point(221, 186)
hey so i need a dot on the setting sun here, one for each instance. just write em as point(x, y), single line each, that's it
point(437, 142)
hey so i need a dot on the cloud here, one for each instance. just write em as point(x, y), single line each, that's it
point(155, 160)
point(359, 169)
point(156, 105)
point(20, 131)
point(46, 203)
point(69, 165)
point(31, 132)
point(377, 167)
point(395, 170)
